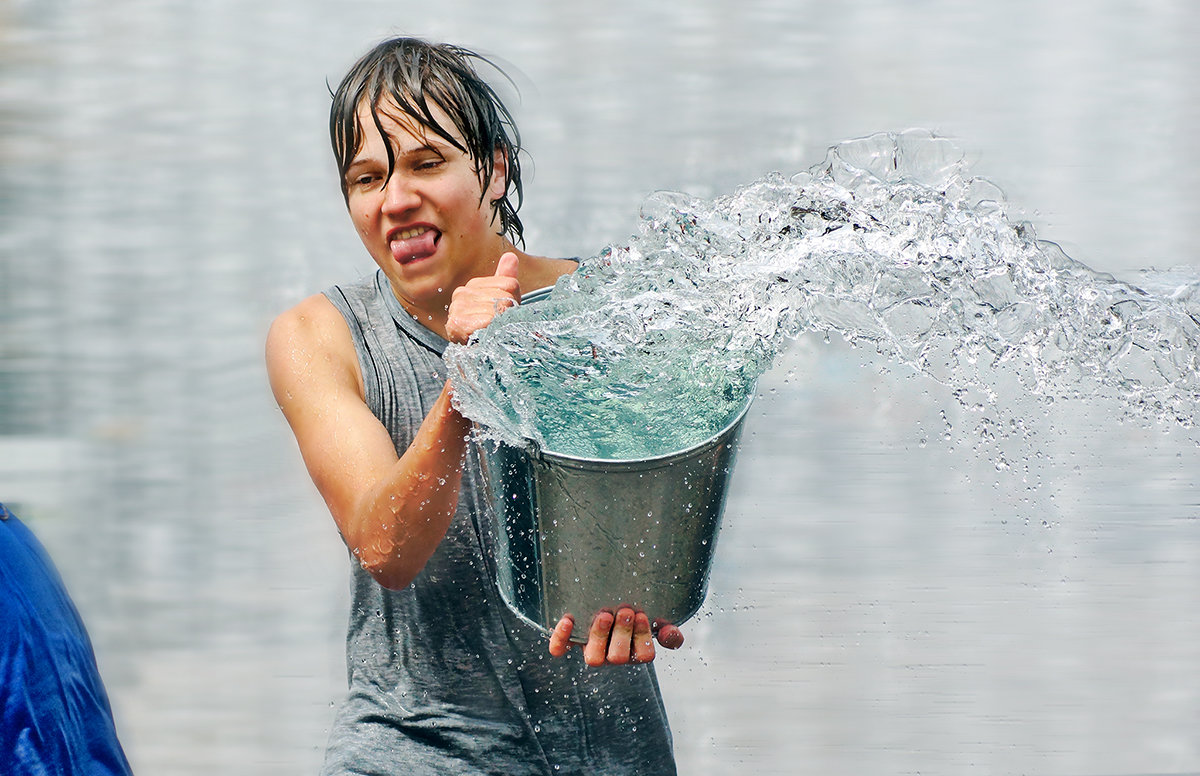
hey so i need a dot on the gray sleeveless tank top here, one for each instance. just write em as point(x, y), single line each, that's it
point(443, 678)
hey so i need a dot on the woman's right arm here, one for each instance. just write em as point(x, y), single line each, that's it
point(392, 511)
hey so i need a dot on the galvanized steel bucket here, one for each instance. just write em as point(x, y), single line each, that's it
point(573, 535)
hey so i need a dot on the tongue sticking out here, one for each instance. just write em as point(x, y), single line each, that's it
point(409, 249)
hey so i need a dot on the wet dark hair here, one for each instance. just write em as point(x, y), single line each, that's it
point(418, 75)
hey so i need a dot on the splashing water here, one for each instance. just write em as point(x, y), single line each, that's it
point(653, 347)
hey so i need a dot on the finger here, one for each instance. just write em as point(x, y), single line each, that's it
point(473, 306)
point(502, 303)
point(622, 634)
point(485, 288)
point(667, 634)
point(643, 641)
point(488, 292)
point(508, 265)
point(597, 643)
point(560, 638)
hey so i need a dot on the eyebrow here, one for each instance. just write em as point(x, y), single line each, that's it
point(402, 153)
point(437, 148)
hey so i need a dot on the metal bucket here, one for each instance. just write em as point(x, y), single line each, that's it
point(573, 535)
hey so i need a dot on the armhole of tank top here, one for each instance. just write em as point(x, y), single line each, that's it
point(337, 297)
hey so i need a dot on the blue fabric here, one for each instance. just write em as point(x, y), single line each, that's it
point(54, 714)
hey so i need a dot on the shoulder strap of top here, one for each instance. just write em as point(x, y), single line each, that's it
point(410, 325)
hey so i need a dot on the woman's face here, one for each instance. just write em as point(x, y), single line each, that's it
point(430, 226)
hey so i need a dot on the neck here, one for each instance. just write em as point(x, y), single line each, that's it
point(434, 313)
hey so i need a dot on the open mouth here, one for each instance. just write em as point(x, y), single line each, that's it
point(413, 243)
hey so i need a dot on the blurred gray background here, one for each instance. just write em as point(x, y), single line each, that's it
point(882, 602)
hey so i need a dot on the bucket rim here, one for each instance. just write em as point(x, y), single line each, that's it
point(536, 295)
point(535, 451)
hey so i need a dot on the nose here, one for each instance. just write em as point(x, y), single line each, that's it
point(400, 194)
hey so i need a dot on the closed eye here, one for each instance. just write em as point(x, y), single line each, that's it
point(429, 163)
point(364, 176)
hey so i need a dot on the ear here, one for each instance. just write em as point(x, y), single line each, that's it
point(497, 187)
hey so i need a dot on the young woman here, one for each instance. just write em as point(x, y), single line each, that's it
point(443, 678)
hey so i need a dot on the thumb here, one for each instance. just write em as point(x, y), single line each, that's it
point(667, 634)
point(508, 265)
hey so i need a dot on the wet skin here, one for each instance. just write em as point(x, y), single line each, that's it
point(431, 228)
point(429, 225)
point(617, 637)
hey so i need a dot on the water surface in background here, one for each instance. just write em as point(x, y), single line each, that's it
point(882, 602)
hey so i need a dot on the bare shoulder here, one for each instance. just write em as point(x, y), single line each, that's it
point(540, 272)
point(310, 341)
point(313, 368)
point(313, 317)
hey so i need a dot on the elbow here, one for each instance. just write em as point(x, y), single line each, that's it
point(393, 582)
point(386, 568)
